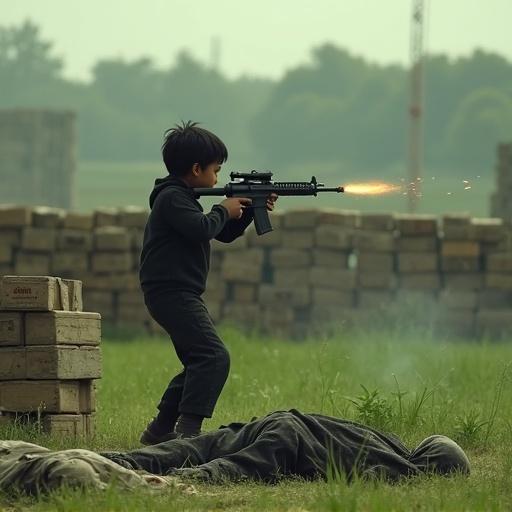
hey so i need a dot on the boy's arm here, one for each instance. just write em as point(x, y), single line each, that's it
point(183, 215)
point(235, 227)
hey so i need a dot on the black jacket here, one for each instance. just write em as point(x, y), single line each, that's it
point(286, 443)
point(176, 248)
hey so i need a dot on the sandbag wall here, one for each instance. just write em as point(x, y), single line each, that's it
point(316, 270)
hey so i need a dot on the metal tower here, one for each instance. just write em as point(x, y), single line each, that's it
point(415, 157)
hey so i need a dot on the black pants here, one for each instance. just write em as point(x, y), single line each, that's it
point(204, 357)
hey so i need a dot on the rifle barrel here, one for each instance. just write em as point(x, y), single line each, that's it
point(331, 189)
point(223, 190)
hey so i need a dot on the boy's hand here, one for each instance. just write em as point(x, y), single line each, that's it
point(272, 198)
point(235, 206)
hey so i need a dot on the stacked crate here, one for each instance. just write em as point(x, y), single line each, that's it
point(73, 245)
point(417, 266)
point(494, 315)
point(234, 280)
point(285, 302)
point(375, 249)
point(333, 277)
point(280, 303)
point(461, 263)
point(501, 206)
point(37, 156)
point(315, 267)
point(112, 280)
point(12, 221)
point(49, 354)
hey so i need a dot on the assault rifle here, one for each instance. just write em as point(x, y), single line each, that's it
point(258, 186)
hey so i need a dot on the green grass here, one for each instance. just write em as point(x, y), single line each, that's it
point(415, 386)
point(120, 184)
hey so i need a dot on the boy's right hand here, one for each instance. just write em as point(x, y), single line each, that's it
point(235, 206)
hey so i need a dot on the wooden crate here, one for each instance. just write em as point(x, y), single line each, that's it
point(331, 236)
point(374, 241)
point(32, 263)
point(377, 221)
point(78, 221)
point(62, 328)
point(63, 362)
point(375, 261)
point(111, 262)
point(421, 281)
point(74, 426)
point(417, 262)
point(416, 225)
point(15, 216)
point(38, 239)
point(112, 238)
point(43, 293)
point(328, 277)
point(298, 238)
point(276, 295)
point(69, 263)
point(330, 258)
point(288, 258)
point(56, 396)
point(300, 218)
point(330, 296)
point(11, 328)
point(417, 244)
point(74, 240)
point(377, 280)
point(49, 362)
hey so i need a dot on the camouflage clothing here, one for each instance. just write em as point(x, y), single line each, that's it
point(33, 469)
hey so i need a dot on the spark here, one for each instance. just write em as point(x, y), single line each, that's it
point(371, 188)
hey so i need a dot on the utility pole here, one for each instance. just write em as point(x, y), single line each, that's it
point(415, 157)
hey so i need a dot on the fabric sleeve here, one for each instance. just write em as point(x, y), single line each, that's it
point(235, 227)
point(183, 215)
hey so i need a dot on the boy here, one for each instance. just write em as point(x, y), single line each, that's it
point(173, 270)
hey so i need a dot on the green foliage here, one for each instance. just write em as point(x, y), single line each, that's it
point(469, 427)
point(372, 409)
point(414, 386)
point(338, 108)
point(483, 117)
point(25, 61)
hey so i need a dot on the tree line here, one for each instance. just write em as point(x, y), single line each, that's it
point(337, 108)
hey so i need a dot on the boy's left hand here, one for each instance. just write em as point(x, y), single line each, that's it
point(272, 198)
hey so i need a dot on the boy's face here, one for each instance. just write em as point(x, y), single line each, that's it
point(205, 177)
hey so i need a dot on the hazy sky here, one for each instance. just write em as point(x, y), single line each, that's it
point(257, 37)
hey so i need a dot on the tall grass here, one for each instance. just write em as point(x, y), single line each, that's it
point(411, 386)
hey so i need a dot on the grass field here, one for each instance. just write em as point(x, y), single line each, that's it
point(120, 184)
point(417, 385)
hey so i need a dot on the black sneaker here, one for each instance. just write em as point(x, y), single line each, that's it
point(150, 437)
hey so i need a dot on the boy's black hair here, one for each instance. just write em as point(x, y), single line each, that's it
point(186, 144)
